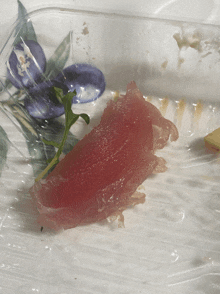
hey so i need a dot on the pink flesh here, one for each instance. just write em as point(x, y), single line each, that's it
point(99, 176)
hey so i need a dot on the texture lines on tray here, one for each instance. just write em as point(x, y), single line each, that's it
point(176, 228)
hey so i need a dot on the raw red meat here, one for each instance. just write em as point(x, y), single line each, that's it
point(99, 177)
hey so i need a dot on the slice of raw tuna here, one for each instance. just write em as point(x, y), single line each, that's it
point(99, 177)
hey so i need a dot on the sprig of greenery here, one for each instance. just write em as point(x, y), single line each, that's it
point(70, 119)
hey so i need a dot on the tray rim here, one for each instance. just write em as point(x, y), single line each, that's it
point(137, 17)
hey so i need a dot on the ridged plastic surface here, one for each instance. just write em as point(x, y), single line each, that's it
point(170, 244)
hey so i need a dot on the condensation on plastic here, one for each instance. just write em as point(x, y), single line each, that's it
point(170, 244)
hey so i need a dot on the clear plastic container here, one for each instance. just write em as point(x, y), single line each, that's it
point(170, 244)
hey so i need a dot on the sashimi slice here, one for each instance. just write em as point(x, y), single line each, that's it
point(99, 177)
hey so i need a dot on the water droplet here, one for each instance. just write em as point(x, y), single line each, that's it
point(174, 256)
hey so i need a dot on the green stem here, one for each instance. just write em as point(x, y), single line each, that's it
point(44, 172)
point(70, 119)
point(55, 159)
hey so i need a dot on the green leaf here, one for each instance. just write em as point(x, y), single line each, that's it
point(4, 143)
point(8, 84)
point(24, 28)
point(38, 150)
point(59, 58)
point(85, 117)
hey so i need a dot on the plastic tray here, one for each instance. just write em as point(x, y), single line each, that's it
point(170, 244)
